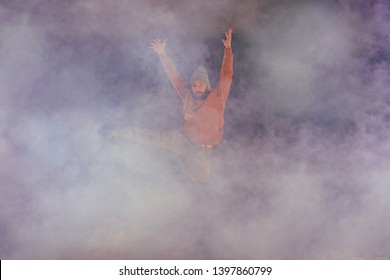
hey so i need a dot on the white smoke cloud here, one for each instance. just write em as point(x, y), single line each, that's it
point(301, 172)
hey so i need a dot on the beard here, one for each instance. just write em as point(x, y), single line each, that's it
point(199, 96)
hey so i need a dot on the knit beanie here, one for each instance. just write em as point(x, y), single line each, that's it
point(200, 74)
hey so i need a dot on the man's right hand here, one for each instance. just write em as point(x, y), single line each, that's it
point(158, 46)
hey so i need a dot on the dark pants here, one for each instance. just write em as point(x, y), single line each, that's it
point(198, 158)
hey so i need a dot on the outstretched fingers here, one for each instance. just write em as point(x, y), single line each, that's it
point(228, 34)
point(155, 42)
point(158, 46)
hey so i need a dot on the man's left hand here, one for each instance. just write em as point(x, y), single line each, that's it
point(228, 41)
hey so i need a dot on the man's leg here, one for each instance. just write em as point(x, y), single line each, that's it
point(199, 164)
point(197, 158)
point(166, 139)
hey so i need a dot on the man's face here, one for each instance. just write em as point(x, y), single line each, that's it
point(199, 90)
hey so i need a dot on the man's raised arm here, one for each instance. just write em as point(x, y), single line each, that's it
point(169, 67)
point(226, 74)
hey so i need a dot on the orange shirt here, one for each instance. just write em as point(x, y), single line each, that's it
point(203, 120)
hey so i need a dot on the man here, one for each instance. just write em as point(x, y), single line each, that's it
point(203, 112)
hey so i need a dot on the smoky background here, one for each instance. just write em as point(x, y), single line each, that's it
point(302, 170)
